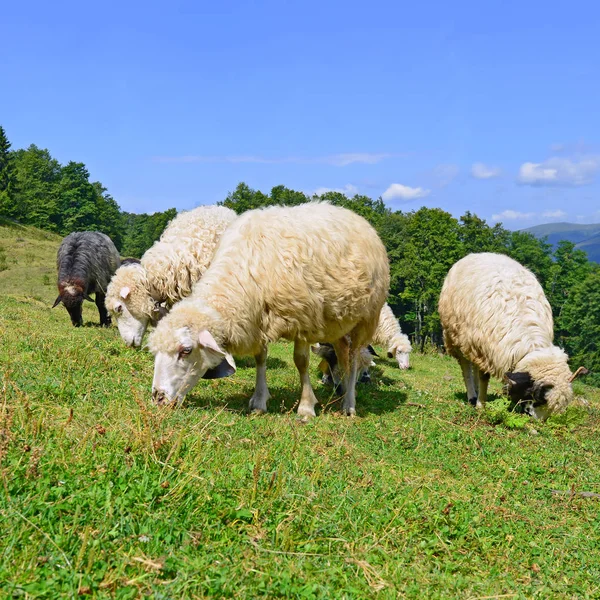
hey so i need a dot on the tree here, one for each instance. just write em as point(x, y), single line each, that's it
point(244, 198)
point(532, 253)
point(6, 174)
point(571, 267)
point(581, 322)
point(429, 247)
point(35, 194)
point(477, 236)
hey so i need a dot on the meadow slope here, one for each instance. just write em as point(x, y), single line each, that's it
point(104, 495)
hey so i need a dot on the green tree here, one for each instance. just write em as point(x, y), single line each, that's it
point(142, 230)
point(244, 198)
point(109, 218)
point(430, 246)
point(6, 174)
point(571, 267)
point(477, 236)
point(532, 253)
point(581, 322)
point(35, 194)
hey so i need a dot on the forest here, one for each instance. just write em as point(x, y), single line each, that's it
point(36, 190)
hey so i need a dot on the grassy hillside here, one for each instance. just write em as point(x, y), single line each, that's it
point(586, 237)
point(104, 495)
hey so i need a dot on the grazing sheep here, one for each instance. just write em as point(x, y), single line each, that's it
point(389, 335)
point(330, 368)
point(86, 261)
point(141, 294)
point(497, 321)
point(308, 273)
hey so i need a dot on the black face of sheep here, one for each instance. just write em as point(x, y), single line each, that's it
point(72, 297)
point(86, 261)
point(522, 389)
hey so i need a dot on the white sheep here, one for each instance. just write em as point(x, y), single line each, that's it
point(389, 335)
point(141, 294)
point(331, 370)
point(497, 321)
point(309, 273)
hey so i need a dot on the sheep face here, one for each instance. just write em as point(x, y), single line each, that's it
point(134, 310)
point(539, 398)
point(177, 372)
point(403, 358)
point(72, 297)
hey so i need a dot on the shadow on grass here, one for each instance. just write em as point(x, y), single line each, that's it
point(369, 400)
point(247, 362)
point(462, 396)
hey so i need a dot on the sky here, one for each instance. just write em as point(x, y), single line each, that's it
point(491, 107)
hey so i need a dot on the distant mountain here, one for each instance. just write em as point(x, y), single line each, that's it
point(585, 237)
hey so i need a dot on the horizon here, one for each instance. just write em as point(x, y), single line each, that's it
point(464, 108)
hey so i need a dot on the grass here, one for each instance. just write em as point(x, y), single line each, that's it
point(104, 495)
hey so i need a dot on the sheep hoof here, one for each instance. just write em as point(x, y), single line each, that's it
point(473, 401)
point(305, 413)
point(349, 412)
point(258, 411)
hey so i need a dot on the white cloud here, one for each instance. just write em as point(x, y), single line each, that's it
point(554, 214)
point(397, 191)
point(481, 171)
point(560, 171)
point(348, 190)
point(512, 215)
point(336, 160)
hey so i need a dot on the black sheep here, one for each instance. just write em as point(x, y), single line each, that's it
point(86, 261)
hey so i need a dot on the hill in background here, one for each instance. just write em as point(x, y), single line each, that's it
point(585, 237)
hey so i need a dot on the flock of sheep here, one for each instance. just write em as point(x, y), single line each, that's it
point(216, 284)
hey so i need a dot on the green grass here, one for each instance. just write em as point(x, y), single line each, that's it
point(419, 496)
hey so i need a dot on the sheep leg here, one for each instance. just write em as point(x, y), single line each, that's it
point(349, 405)
point(348, 364)
point(105, 319)
point(308, 400)
point(258, 402)
point(467, 372)
point(484, 379)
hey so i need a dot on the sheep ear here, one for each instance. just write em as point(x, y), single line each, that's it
point(224, 369)
point(57, 302)
point(519, 380)
point(372, 350)
point(315, 348)
point(124, 293)
point(207, 341)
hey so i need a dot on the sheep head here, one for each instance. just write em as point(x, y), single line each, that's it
point(72, 297)
point(132, 306)
point(179, 366)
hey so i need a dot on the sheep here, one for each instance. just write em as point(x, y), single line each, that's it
point(497, 321)
point(308, 273)
point(389, 335)
point(141, 294)
point(330, 368)
point(86, 260)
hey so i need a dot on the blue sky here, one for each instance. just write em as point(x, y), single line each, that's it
point(491, 107)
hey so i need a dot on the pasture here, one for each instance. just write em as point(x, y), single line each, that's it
point(104, 495)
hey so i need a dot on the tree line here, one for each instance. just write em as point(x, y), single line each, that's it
point(422, 244)
point(35, 189)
